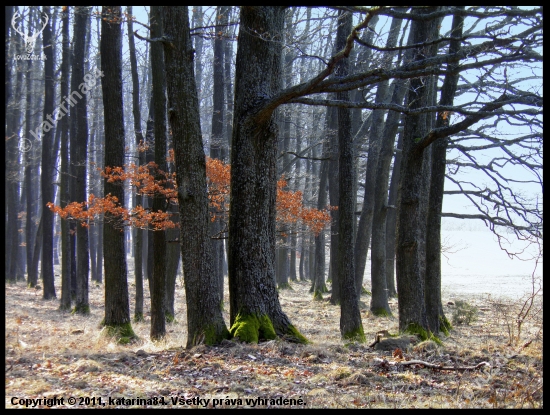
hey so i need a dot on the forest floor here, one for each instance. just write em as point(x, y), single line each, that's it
point(54, 354)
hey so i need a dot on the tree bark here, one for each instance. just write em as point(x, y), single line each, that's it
point(319, 286)
point(47, 164)
point(365, 226)
point(79, 151)
point(255, 309)
point(117, 307)
point(332, 137)
point(391, 218)
point(218, 141)
point(204, 317)
point(380, 289)
point(138, 239)
point(411, 224)
point(65, 302)
point(350, 318)
point(13, 116)
point(158, 319)
point(434, 307)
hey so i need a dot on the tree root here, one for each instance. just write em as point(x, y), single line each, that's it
point(436, 366)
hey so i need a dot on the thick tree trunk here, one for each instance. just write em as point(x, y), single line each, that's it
point(434, 307)
point(411, 223)
point(204, 316)
point(350, 318)
point(117, 307)
point(255, 309)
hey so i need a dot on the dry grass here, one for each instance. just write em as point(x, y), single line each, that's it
point(50, 353)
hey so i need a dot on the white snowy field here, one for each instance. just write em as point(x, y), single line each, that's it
point(479, 266)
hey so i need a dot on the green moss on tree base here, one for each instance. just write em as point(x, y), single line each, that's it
point(123, 333)
point(252, 328)
point(365, 291)
point(295, 336)
point(422, 333)
point(357, 336)
point(317, 295)
point(322, 290)
point(212, 336)
point(285, 286)
point(445, 325)
point(169, 318)
point(381, 312)
point(138, 318)
point(82, 310)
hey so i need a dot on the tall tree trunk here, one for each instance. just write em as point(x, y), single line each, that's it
point(411, 223)
point(138, 239)
point(10, 143)
point(117, 305)
point(434, 308)
point(47, 163)
point(158, 320)
point(333, 183)
point(228, 55)
point(391, 218)
point(30, 172)
point(218, 141)
point(13, 117)
point(145, 158)
point(204, 316)
point(100, 193)
point(351, 326)
point(198, 22)
point(79, 151)
point(319, 287)
point(255, 309)
point(375, 141)
point(380, 292)
point(65, 302)
point(173, 253)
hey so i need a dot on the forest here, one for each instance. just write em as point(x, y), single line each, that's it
point(242, 206)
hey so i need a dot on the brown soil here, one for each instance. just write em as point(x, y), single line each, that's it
point(50, 353)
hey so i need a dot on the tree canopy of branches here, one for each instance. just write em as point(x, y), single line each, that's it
point(397, 115)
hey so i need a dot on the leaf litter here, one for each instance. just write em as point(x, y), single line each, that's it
point(52, 353)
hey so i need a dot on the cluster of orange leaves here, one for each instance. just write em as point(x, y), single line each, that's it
point(148, 180)
point(218, 177)
point(138, 217)
point(291, 210)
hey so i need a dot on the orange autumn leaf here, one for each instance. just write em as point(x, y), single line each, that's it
point(149, 180)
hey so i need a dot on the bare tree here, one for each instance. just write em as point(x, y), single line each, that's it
point(117, 306)
point(204, 317)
